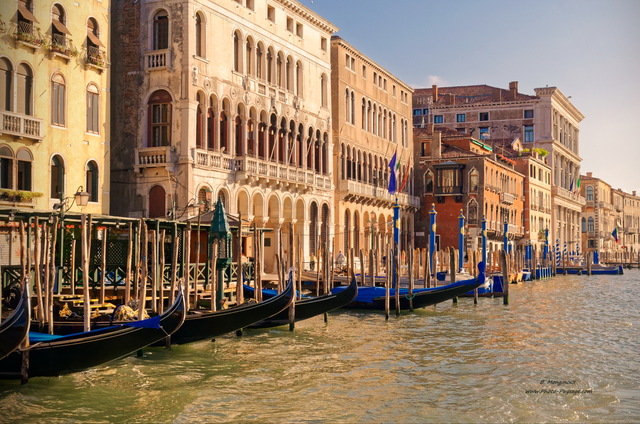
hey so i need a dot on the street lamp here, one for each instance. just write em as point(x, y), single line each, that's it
point(81, 198)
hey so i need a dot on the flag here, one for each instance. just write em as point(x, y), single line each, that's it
point(405, 177)
point(614, 234)
point(392, 177)
point(578, 183)
point(571, 186)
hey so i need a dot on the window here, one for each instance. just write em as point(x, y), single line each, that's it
point(590, 224)
point(59, 31)
point(93, 109)
point(428, 182)
point(323, 43)
point(94, 55)
point(25, 90)
point(58, 100)
point(289, 24)
point(484, 133)
point(528, 133)
point(249, 4)
point(160, 38)
point(323, 90)
point(57, 177)
point(438, 119)
point(299, 29)
point(364, 71)
point(91, 172)
point(6, 85)
point(473, 180)
point(24, 170)
point(589, 191)
point(462, 130)
point(484, 116)
point(159, 119)
point(237, 52)
point(584, 225)
point(461, 117)
point(199, 36)
point(528, 114)
point(448, 181)
point(271, 13)
point(6, 167)
point(417, 112)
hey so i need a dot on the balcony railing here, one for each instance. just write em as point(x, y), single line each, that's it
point(563, 192)
point(26, 33)
point(61, 45)
point(21, 125)
point(157, 60)
point(151, 157)
point(507, 198)
point(370, 191)
point(96, 57)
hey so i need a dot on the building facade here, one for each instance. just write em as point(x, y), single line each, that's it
point(371, 112)
point(545, 120)
point(54, 105)
point(225, 99)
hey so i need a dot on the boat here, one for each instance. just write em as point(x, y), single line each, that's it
point(14, 329)
point(54, 355)
point(374, 297)
point(207, 325)
point(308, 307)
point(596, 269)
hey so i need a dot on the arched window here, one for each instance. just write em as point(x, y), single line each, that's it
point(204, 199)
point(211, 124)
point(59, 31)
point(239, 136)
point(590, 224)
point(157, 202)
point(472, 212)
point(249, 57)
point(353, 109)
point(6, 85)
point(58, 100)
point(583, 221)
point(25, 90)
point(299, 79)
point(323, 90)
point(280, 70)
point(270, 71)
point(473, 180)
point(347, 106)
point(224, 131)
point(200, 38)
point(93, 42)
point(237, 52)
point(260, 61)
point(364, 114)
point(93, 109)
point(25, 170)
point(57, 177)
point(6, 168)
point(91, 174)
point(159, 119)
point(160, 38)
point(589, 191)
point(289, 74)
point(200, 121)
point(428, 182)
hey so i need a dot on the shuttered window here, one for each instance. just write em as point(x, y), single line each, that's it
point(58, 99)
point(93, 110)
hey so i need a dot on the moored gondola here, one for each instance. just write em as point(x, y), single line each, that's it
point(309, 307)
point(15, 327)
point(50, 355)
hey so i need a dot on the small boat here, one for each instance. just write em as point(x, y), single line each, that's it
point(596, 269)
point(51, 355)
point(210, 324)
point(308, 307)
point(14, 329)
point(374, 297)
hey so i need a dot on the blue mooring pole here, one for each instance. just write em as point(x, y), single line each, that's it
point(505, 240)
point(484, 241)
point(461, 242)
point(396, 241)
point(432, 235)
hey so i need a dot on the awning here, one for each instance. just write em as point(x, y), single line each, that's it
point(60, 26)
point(26, 13)
point(95, 40)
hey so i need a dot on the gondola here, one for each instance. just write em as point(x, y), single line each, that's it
point(309, 307)
point(14, 329)
point(207, 325)
point(374, 297)
point(50, 355)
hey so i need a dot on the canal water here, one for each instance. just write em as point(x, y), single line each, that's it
point(564, 350)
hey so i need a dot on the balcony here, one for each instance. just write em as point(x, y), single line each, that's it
point(26, 34)
point(210, 159)
point(153, 157)
point(19, 198)
point(507, 198)
point(96, 58)
point(61, 46)
point(157, 60)
point(568, 195)
point(255, 170)
point(21, 126)
point(370, 194)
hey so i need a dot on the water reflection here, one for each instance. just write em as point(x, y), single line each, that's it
point(464, 363)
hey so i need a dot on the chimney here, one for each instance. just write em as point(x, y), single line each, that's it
point(513, 89)
point(434, 90)
point(633, 192)
point(450, 98)
point(589, 174)
point(436, 145)
point(430, 128)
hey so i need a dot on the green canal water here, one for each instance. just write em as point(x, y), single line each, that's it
point(564, 350)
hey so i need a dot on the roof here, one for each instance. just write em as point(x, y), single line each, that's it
point(471, 94)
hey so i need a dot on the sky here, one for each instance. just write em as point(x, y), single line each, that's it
point(588, 49)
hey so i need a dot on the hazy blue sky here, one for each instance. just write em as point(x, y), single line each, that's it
point(589, 49)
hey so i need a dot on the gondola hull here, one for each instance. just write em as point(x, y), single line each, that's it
point(57, 355)
point(374, 297)
point(311, 307)
point(207, 325)
point(14, 329)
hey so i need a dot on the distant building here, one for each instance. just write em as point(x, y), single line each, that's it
point(545, 120)
point(54, 105)
point(371, 122)
point(225, 99)
point(460, 174)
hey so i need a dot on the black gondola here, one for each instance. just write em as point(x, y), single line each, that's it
point(207, 325)
point(374, 297)
point(14, 329)
point(50, 355)
point(309, 307)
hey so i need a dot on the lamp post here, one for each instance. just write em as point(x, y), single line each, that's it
point(81, 199)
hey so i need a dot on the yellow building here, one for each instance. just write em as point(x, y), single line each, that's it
point(54, 104)
point(371, 120)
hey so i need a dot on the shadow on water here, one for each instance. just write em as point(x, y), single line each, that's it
point(563, 350)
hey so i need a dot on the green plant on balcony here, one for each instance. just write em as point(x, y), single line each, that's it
point(19, 196)
point(96, 59)
point(69, 50)
point(29, 38)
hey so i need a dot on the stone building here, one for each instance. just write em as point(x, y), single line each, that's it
point(545, 120)
point(371, 112)
point(224, 99)
point(628, 208)
point(54, 105)
point(460, 174)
